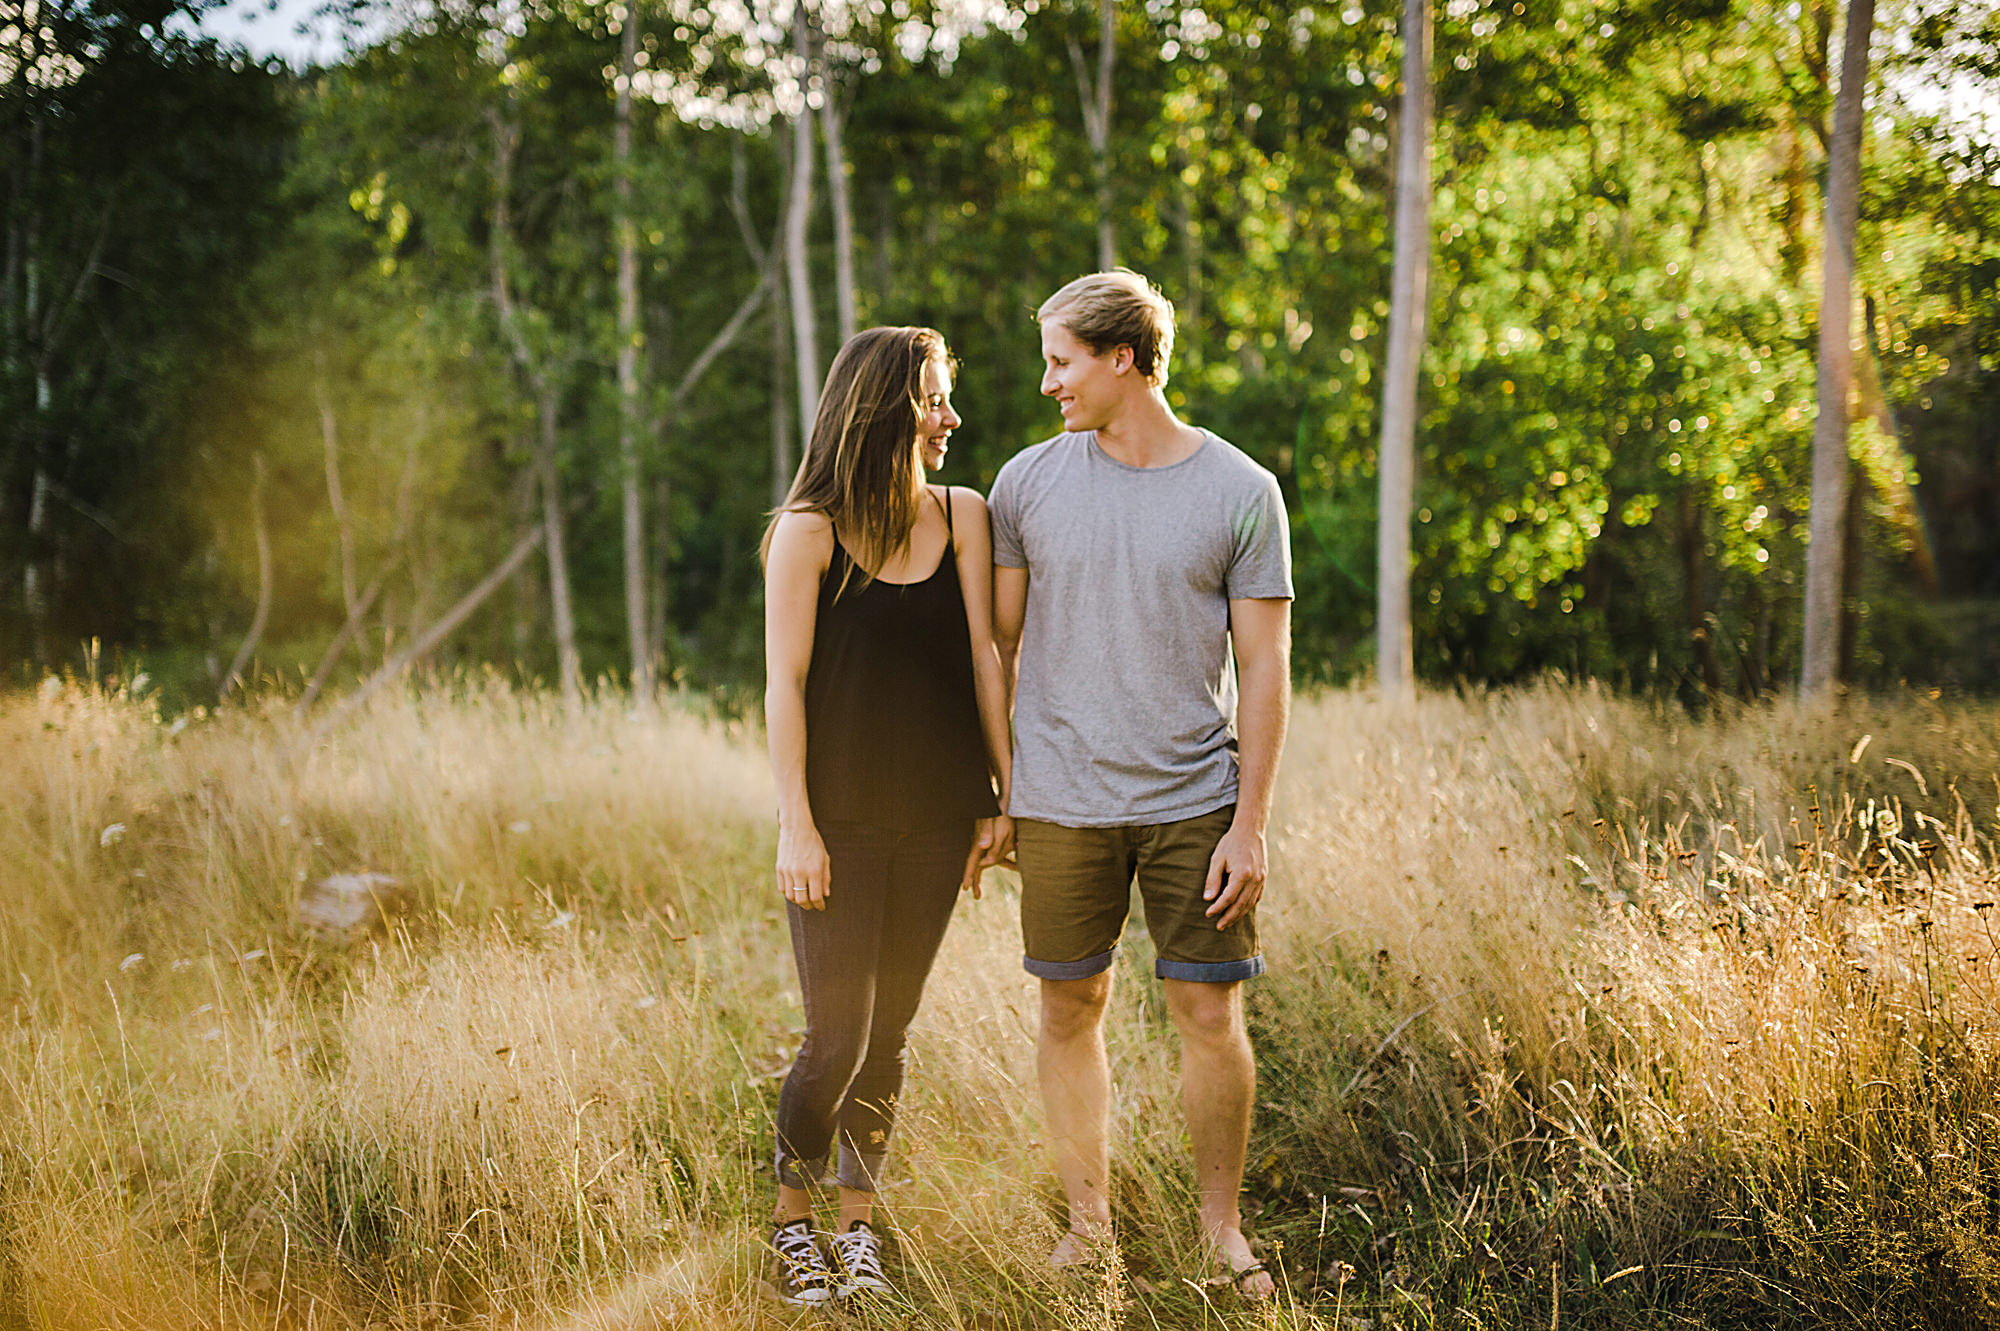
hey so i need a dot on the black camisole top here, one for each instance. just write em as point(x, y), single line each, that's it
point(892, 724)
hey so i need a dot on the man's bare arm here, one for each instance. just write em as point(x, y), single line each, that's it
point(1010, 612)
point(1261, 631)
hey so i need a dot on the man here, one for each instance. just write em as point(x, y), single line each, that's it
point(1132, 552)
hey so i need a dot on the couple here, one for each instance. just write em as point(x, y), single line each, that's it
point(1098, 605)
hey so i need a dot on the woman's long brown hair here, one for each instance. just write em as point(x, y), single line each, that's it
point(861, 466)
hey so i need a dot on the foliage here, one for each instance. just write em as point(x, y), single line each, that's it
point(1616, 398)
point(141, 170)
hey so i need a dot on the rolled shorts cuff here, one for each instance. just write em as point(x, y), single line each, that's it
point(1070, 970)
point(1210, 972)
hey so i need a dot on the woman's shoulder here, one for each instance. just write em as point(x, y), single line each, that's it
point(800, 523)
point(964, 500)
point(802, 535)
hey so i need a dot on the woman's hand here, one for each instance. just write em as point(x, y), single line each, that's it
point(1001, 854)
point(805, 875)
point(992, 847)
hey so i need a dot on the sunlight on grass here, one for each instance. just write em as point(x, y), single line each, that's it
point(1580, 1008)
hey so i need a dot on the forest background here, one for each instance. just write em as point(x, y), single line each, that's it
point(528, 297)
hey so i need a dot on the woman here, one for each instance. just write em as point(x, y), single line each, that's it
point(885, 706)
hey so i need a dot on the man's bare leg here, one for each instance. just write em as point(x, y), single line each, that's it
point(1076, 1094)
point(1218, 1082)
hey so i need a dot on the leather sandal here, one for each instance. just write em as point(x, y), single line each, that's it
point(1237, 1277)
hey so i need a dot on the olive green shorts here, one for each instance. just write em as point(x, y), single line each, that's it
point(1076, 890)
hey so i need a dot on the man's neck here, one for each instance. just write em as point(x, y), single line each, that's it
point(1147, 434)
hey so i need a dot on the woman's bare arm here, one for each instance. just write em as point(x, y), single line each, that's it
point(975, 576)
point(801, 548)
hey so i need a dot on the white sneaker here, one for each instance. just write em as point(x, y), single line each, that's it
point(804, 1280)
point(857, 1258)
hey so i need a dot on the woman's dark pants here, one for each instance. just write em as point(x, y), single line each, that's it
point(862, 966)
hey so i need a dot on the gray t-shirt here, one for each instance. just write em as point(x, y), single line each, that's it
point(1125, 708)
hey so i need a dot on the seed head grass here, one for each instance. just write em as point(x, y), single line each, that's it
point(1582, 1012)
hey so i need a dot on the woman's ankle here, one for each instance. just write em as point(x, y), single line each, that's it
point(793, 1204)
point(856, 1205)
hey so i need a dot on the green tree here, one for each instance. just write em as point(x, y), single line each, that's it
point(141, 173)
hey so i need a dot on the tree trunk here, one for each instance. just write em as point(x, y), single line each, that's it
point(1395, 667)
point(629, 338)
point(832, 127)
point(569, 665)
point(424, 642)
point(1836, 317)
point(798, 210)
point(34, 597)
point(1095, 95)
point(234, 675)
point(34, 592)
point(331, 657)
point(541, 378)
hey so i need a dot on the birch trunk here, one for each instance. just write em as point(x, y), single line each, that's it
point(34, 592)
point(1820, 664)
point(1095, 95)
point(631, 481)
point(1408, 290)
point(832, 126)
point(34, 597)
point(798, 211)
point(541, 379)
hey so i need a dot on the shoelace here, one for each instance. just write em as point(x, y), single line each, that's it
point(795, 1245)
point(860, 1254)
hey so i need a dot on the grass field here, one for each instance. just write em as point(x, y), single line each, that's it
point(1582, 1013)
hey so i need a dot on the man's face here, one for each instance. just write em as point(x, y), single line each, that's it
point(1088, 388)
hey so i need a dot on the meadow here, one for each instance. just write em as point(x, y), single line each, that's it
point(1583, 1012)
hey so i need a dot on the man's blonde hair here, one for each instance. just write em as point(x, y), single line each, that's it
point(1105, 311)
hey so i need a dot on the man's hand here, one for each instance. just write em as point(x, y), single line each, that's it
point(1235, 875)
point(805, 874)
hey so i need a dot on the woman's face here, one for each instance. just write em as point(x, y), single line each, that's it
point(936, 418)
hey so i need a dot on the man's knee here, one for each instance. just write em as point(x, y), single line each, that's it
point(1206, 1013)
point(1072, 1009)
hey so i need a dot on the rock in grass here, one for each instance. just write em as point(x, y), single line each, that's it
point(348, 907)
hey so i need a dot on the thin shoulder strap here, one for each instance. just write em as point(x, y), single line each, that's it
point(949, 533)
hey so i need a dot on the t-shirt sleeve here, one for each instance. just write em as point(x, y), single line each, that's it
point(1262, 566)
point(1004, 506)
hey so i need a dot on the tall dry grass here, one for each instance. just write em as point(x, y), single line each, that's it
point(1582, 1012)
